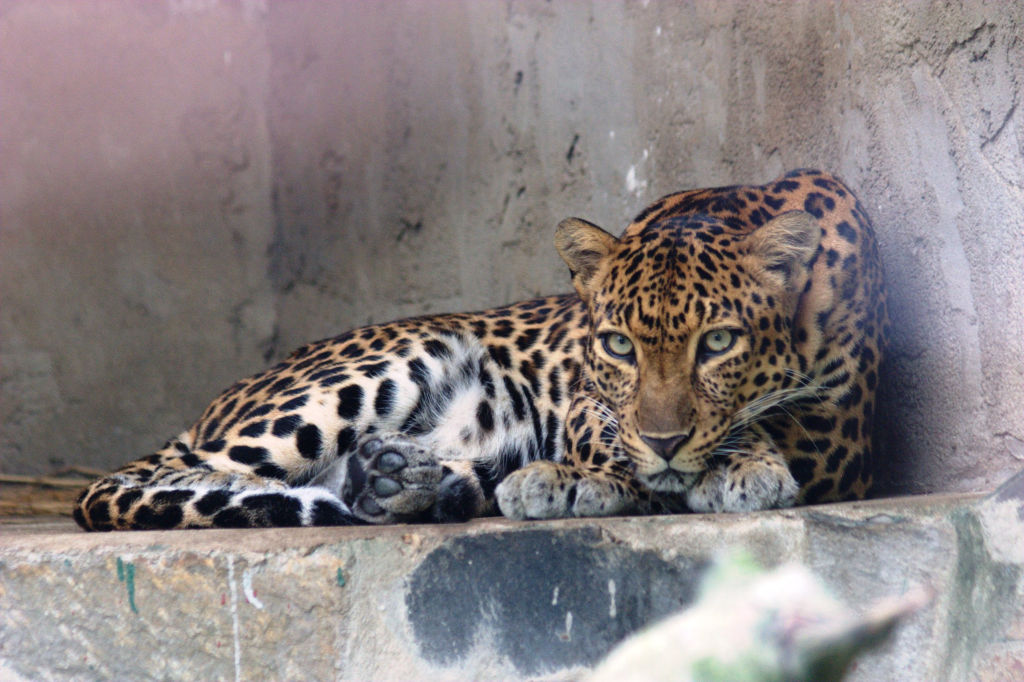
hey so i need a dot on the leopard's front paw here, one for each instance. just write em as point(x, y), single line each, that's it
point(540, 490)
point(744, 484)
point(547, 490)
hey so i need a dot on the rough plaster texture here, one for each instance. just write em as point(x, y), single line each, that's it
point(492, 599)
point(190, 189)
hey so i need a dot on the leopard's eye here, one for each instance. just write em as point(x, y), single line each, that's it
point(617, 345)
point(718, 341)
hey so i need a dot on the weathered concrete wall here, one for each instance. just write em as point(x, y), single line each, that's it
point(188, 190)
point(135, 215)
point(492, 599)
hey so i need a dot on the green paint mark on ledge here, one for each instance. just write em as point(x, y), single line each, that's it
point(341, 578)
point(126, 574)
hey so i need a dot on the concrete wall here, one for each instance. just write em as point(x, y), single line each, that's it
point(499, 600)
point(190, 189)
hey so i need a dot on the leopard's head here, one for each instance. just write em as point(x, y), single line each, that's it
point(691, 324)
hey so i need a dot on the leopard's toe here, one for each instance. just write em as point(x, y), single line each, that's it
point(397, 479)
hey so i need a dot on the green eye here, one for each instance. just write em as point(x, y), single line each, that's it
point(718, 341)
point(617, 345)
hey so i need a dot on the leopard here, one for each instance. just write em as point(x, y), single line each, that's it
point(721, 355)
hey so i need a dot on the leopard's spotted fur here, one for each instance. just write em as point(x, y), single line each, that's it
point(721, 355)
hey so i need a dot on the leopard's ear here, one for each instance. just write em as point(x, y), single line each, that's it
point(583, 246)
point(781, 250)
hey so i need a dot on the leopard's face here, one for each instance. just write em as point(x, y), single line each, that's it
point(691, 330)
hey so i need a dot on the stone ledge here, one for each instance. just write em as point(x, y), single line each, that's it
point(492, 598)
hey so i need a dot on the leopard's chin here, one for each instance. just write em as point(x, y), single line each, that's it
point(669, 481)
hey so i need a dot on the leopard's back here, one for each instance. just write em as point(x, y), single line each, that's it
point(462, 398)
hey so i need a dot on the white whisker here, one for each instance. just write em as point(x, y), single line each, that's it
point(760, 407)
point(604, 418)
point(601, 407)
point(755, 409)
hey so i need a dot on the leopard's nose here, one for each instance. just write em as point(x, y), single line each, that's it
point(666, 446)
